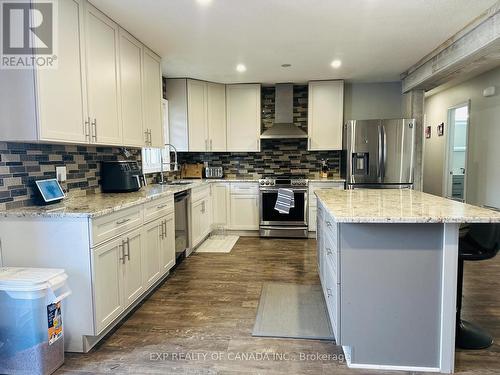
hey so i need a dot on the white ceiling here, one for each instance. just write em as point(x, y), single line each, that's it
point(375, 39)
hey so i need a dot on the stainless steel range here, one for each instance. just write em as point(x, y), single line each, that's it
point(274, 223)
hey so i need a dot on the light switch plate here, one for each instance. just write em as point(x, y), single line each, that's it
point(61, 174)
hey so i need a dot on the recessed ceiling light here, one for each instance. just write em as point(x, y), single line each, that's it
point(336, 63)
point(204, 2)
point(241, 68)
point(286, 65)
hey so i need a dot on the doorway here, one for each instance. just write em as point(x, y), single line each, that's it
point(455, 173)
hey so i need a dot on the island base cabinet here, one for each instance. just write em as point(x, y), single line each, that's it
point(390, 291)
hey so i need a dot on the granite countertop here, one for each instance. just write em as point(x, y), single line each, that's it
point(95, 205)
point(400, 206)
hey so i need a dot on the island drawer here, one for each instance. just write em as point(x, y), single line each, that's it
point(331, 228)
point(158, 208)
point(331, 291)
point(115, 224)
point(331, 254)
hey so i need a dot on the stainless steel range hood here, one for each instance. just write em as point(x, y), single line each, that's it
point(283, 127)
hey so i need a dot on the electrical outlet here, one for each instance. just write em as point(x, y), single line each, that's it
point(61, 174)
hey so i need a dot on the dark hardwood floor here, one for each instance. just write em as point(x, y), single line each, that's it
point(206, 311)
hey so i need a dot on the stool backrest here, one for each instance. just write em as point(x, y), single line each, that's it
point(485, 235)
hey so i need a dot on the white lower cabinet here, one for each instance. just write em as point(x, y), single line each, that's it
point(244, 206)
point(200, 220)
point(108, 280)
point(153, 237)
point(220, 204)
point(167, 244)
point(133, 285)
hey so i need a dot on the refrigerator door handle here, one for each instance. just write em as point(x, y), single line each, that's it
point(380, 152)
point(384, 151)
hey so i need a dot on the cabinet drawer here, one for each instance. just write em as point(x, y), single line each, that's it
point(115, 224)
point(158, 208)
point(332, 256)
point(199, 193)
point(331, 291)
point(330, 227)
point(244, 188)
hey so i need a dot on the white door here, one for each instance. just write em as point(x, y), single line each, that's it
point(167, 255)
point(107, 278)
point(152, 96)
point(325, 115)
point(62, 101)
point(133, 285)
point(206, 219)
point(103, 89)
point(196, 224)
point(197, 115)
point(153, 237)
point(216, 117)
point(455, 175)
point(220, 205)
point(244, 212)
point(243, 117)
point(131, 90)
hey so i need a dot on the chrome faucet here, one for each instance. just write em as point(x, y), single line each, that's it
point(168, 146)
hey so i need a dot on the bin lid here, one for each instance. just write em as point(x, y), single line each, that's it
point(25, 279)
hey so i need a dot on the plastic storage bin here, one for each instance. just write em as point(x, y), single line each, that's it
point(31, 336)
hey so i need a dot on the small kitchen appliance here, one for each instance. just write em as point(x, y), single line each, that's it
point(121, 176)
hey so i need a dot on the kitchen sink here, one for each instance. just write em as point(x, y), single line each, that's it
point(179, 182)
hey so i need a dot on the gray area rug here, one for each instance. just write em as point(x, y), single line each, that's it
point(292, 311)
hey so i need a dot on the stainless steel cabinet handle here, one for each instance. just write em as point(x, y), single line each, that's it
point(329, 251)
point(147, 137)
point(210, 145)
point(94, 132)
point(328, 224)
point(161, 232)
point(329, 292)
point(150, 138)
point(164, 226)
point(128, 249)
point(122, 250)
point(162, 206)
point(120, 222)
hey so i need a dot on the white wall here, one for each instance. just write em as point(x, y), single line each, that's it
point(483, 175)
point(363, 101)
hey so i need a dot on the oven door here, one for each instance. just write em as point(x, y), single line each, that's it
point(269, 216)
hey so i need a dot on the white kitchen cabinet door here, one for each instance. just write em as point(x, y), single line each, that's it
point(216, 117)
point(107, 278)
point(103, 88)
point(153, 237)
point(197, 115)
point(243, 117)
point(325, 115)
point(244, 212)
point(131, 90)
point(67, 122)
point(206, 220)
point(220, 205)
point(196, 224)
point(167, 255)
point(152, 98)
point(133, 285)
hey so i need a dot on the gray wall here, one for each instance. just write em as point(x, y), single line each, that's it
point(483, 177)
point(364, 101)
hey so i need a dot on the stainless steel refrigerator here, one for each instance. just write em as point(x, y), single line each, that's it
point(379, 153)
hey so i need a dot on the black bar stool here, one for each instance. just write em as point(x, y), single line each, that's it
point(479, 242)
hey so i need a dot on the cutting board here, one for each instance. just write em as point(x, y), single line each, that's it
point(192, 170)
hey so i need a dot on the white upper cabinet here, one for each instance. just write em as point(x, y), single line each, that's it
point(197, 115)
point(152, 98)
point(131, 89)
point(31, 100)
point(243, 117)
point(102, 78)
point(325, 115)
point(216, 116)
point(106, 89)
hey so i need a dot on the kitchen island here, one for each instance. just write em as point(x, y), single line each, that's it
point(388, 267)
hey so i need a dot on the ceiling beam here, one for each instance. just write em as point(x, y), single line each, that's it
point(475, 48)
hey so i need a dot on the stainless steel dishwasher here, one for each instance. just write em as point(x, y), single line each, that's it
point(181, 224)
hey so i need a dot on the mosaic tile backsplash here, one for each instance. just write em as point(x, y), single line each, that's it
point(276, 156)
point(21, 164)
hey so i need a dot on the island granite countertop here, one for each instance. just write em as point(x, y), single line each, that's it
point(400, 206)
